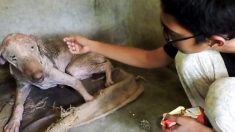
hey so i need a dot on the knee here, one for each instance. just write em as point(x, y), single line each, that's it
point(81, 72)
point(75, 70)
point(220, 104)
point(70, 69)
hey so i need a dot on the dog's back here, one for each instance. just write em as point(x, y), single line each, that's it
point(57, 52)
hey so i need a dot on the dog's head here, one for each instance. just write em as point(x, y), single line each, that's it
point(22, 51)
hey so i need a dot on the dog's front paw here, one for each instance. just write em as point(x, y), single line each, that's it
point(12, 126)
point(88, 98)
point(108, 83)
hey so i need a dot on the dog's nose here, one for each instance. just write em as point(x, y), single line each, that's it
point(38, 77)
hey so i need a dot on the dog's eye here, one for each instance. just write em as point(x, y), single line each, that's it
point(32, 47)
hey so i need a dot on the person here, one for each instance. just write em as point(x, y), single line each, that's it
point(200, 40)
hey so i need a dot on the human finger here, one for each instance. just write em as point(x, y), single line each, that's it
point(173, 128)
point(178, 119)
point(69, 39)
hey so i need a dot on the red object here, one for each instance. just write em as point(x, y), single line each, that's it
point(201, 117)
point(196, 113)
point(167, 123)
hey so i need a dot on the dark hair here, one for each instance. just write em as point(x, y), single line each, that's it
point(206, 17)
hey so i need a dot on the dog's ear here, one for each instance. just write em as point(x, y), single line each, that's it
point(2, 60)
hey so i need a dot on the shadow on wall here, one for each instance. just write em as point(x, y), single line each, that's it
point(133, 22)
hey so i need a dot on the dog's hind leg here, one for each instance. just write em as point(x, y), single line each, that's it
point(85, 70)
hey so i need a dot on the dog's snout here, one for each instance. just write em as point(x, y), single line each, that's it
point(38, 77)
point(33, 70)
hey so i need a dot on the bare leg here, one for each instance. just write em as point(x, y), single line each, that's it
point(21, 95)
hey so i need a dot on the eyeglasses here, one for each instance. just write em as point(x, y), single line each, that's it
point(169, 36)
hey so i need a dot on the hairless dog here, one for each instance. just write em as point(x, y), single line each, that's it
point(45, 65)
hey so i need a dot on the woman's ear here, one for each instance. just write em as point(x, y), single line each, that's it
point(216, 41)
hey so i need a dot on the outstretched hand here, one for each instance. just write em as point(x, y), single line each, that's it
point(185, 124)
point(77, 44)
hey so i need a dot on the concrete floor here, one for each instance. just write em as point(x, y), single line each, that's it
point(163, 93)
point(130, 22)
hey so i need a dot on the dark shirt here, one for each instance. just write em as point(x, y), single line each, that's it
point(229, 58)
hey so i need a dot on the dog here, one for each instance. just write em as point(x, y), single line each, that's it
point(45, 65)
